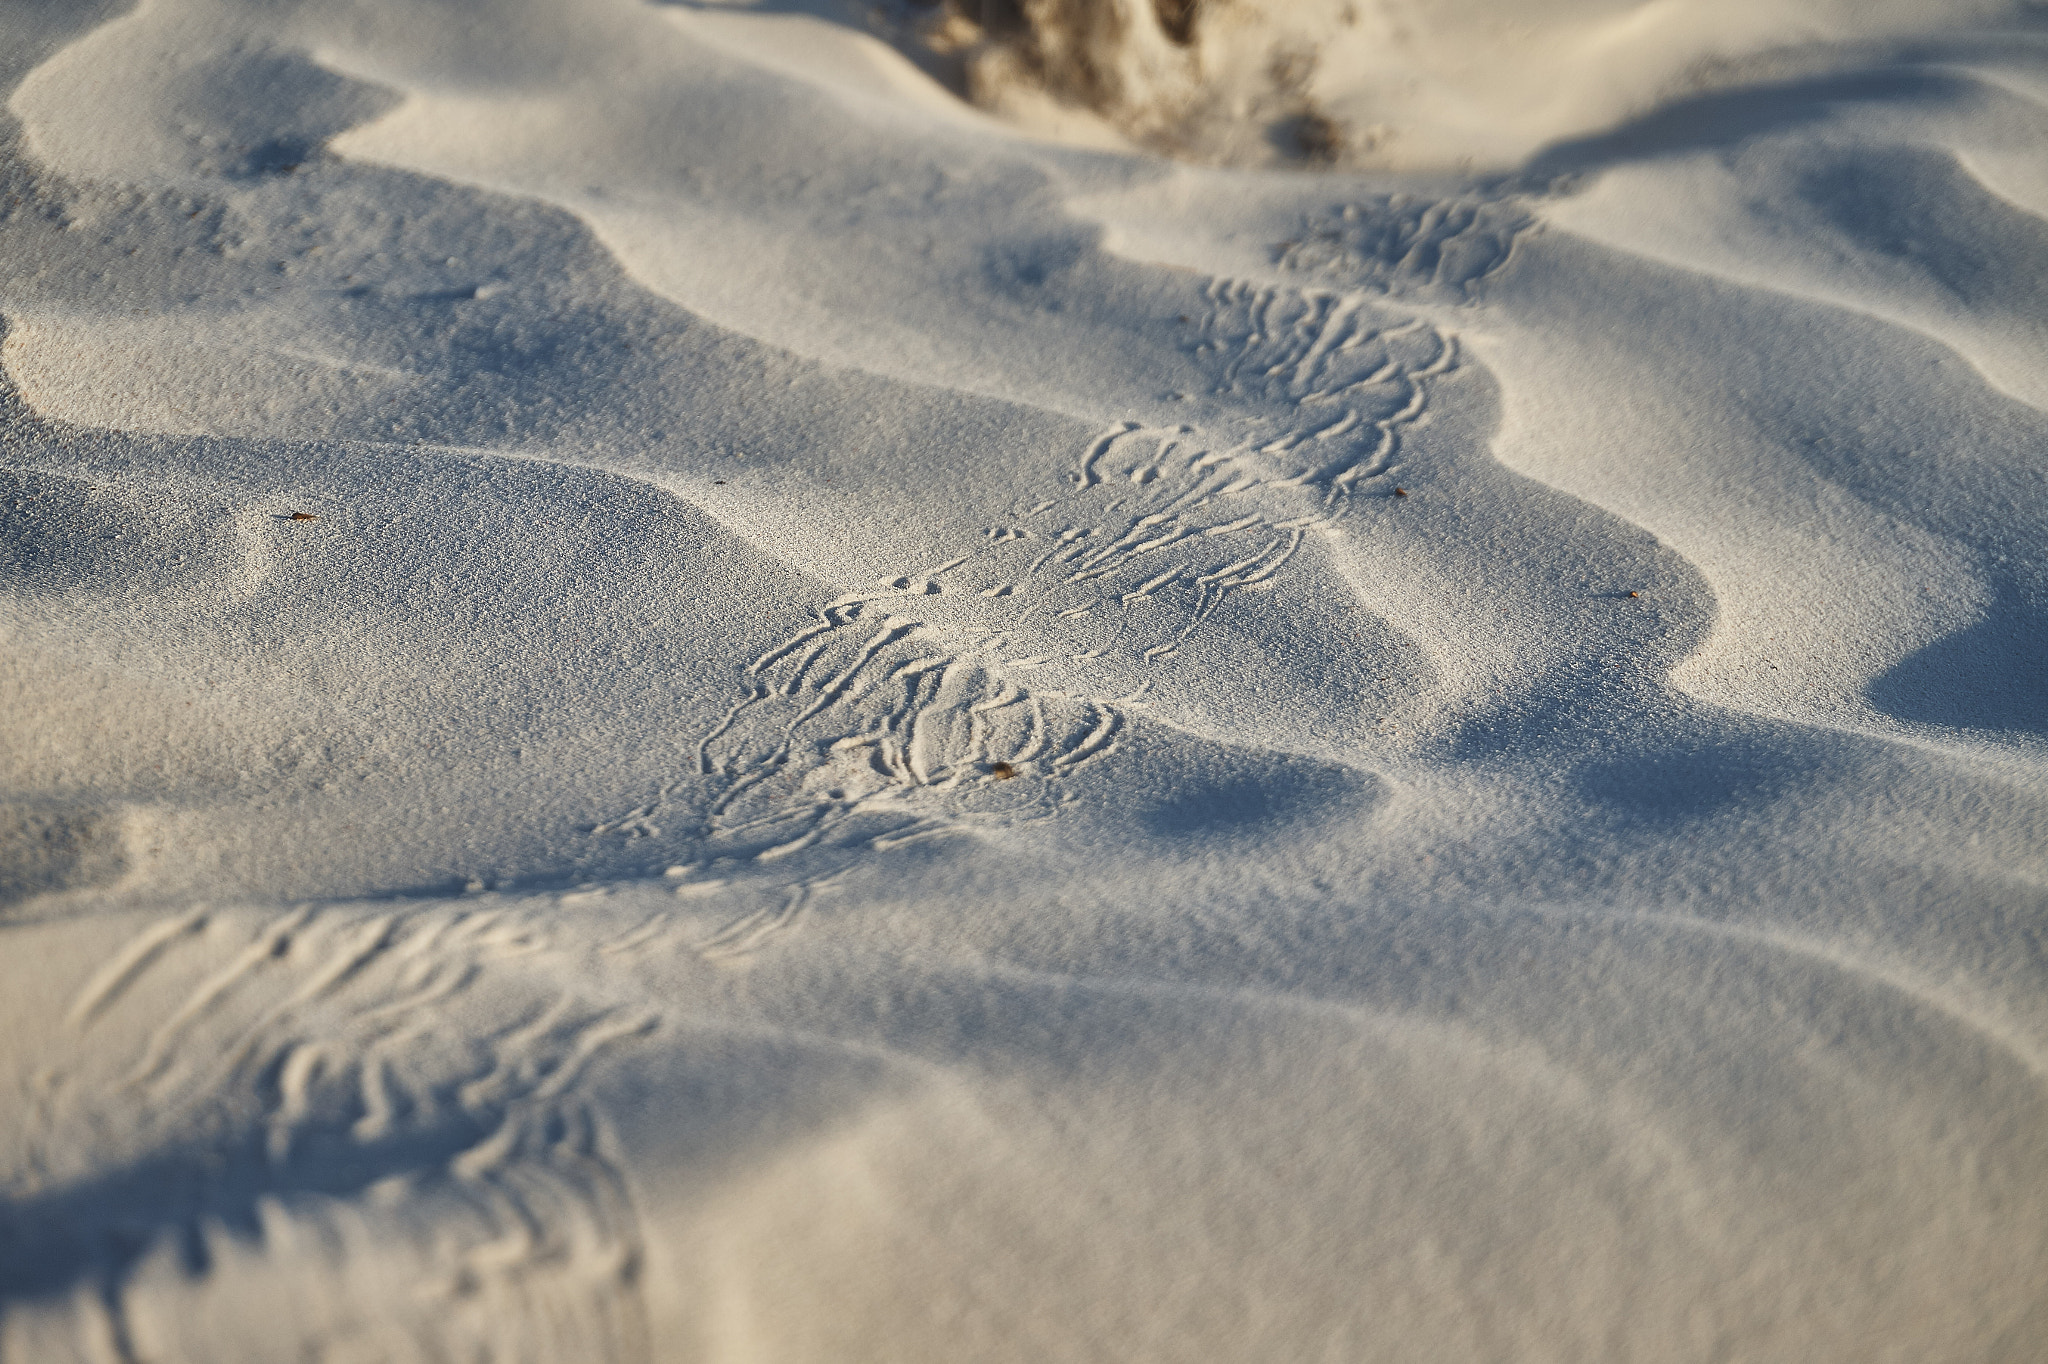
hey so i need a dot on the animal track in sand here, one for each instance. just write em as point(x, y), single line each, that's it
point(344, 1118)
point(1409, 245)
point(958, 696)
point(1345, 380)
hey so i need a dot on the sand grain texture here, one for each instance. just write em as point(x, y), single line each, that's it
point(669, 695)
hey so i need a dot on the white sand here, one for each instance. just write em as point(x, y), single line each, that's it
point(859, 759)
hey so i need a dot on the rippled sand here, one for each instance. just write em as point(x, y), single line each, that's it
point(669, 695)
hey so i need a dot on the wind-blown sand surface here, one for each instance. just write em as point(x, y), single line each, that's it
point(1331, 688)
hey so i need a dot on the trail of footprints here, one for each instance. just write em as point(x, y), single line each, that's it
point(958, 695)
point(370, 1088)
point(1410, 245)
point(411, 1054)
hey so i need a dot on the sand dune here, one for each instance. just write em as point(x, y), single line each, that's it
point(673, 692)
